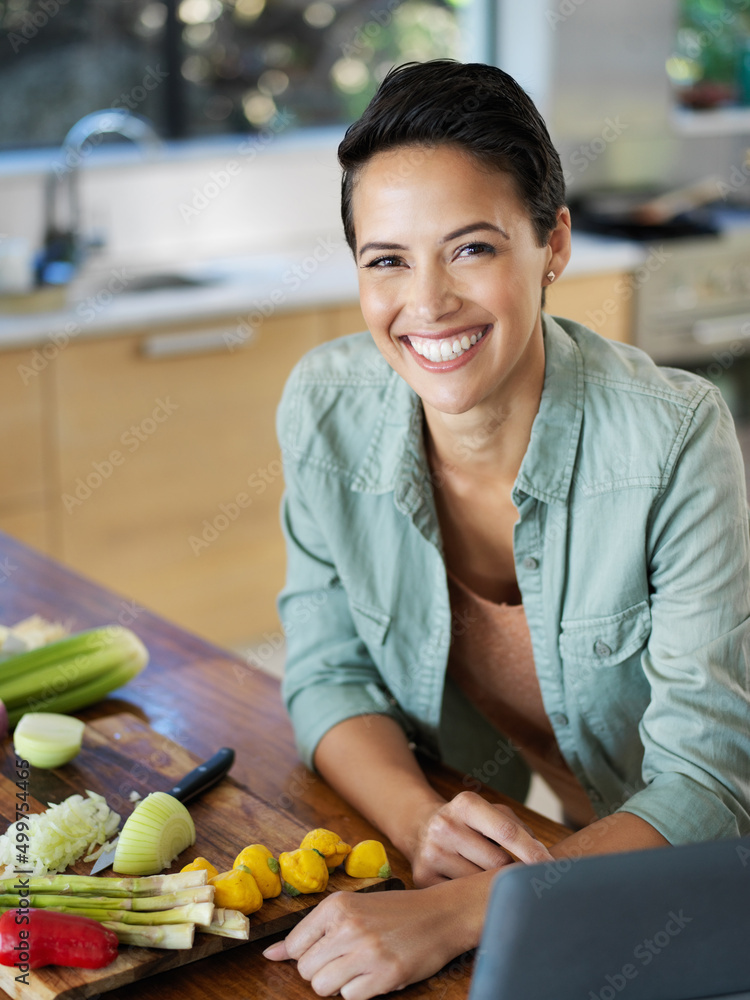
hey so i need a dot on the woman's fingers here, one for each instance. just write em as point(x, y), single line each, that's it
point(469, 834)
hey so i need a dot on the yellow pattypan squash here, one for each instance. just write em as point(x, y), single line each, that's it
point(368, 860)
point(264, 867)
point(329, 844)
point(237, 890)
point(201, 864)
point(303, 870)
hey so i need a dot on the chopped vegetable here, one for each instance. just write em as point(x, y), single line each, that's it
point(43, 937)
point(160, 911)
point(156, 832)
point(237, 890)
point(31, 633)
point(46, 739)
point(303, 870)
point(368, 860)
point(201, 864)
point(330, 845)
point(264, 867)
point(60, 835)
point(154, 885)
point(71, 673)
point(229, 923)
point(176, 937)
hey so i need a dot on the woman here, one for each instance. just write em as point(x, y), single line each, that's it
point(510, 542)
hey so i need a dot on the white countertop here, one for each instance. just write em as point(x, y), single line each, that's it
point(104, 302)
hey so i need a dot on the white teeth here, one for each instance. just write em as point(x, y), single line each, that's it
point(444, 350)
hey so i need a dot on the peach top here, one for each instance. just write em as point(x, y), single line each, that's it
point(492, 661)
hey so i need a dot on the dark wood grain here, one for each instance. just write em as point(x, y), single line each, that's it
point(202, 697)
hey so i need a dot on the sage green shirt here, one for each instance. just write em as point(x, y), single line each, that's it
point(632, 554)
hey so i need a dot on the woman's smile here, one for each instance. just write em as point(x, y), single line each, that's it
point(446, 352)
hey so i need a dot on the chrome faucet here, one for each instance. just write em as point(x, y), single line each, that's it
point(64, 246)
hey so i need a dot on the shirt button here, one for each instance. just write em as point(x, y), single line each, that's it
point(560, 719)
point(601, 648)
point(530, 563)
point(593, 795)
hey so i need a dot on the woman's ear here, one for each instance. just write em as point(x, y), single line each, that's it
point(558, 247)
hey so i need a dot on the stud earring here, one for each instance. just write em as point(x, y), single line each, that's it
point(551, 275)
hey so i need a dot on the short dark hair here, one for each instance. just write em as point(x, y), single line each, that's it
point(478, 108)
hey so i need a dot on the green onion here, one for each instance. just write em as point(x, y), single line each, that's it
point(69, 674)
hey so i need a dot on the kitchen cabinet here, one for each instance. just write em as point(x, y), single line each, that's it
point(169, 469)
point(25, 484)
point(602, 302)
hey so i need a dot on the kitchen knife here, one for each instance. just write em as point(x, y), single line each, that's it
point(188, 788)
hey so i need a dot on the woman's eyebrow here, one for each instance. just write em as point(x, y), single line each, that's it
point(473, 227)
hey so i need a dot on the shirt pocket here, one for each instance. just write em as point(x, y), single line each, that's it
point(605, 642)
point(601, 661)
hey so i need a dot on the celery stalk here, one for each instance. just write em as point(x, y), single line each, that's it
point(68, 674)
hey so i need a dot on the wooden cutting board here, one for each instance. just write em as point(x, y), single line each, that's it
point(121, 754)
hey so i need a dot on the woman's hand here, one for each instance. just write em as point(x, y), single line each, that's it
point(468, 835)
point(363, 945)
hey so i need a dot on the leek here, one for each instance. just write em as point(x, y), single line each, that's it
point(69, 674)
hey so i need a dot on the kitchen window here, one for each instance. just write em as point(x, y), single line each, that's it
point(202, 68)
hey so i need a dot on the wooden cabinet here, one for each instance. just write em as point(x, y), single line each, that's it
point(602, 302)
point(170, 472)
point(27, 471)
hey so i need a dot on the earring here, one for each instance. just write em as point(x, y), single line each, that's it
point(551, 275)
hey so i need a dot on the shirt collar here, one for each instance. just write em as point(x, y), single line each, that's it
point(395, 458)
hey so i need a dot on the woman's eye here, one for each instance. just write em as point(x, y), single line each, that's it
point(475, 249)
point(383, 262)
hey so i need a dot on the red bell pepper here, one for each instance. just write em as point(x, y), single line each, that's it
point(33, 938)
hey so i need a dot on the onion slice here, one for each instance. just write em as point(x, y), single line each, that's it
point(158, 829)
point(48, 739)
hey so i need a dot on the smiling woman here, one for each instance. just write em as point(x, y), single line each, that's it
point(519, 535)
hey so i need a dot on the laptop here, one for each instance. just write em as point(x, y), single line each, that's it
point(669, 923)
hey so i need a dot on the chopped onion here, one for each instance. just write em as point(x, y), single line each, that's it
point(158, 829)
point(59, 836)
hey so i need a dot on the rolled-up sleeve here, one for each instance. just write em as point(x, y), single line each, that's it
point(696, 729)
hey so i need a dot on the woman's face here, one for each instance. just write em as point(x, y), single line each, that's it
point(450, 274)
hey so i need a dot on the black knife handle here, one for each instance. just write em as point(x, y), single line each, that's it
point(204, 776)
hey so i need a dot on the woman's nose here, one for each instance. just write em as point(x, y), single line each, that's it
point(432, 295)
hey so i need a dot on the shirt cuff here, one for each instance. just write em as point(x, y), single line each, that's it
point(315, 710)
point(684, 812)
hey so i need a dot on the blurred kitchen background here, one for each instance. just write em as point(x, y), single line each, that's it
point(170, 244)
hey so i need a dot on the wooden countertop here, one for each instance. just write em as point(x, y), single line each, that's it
point(201, 697)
